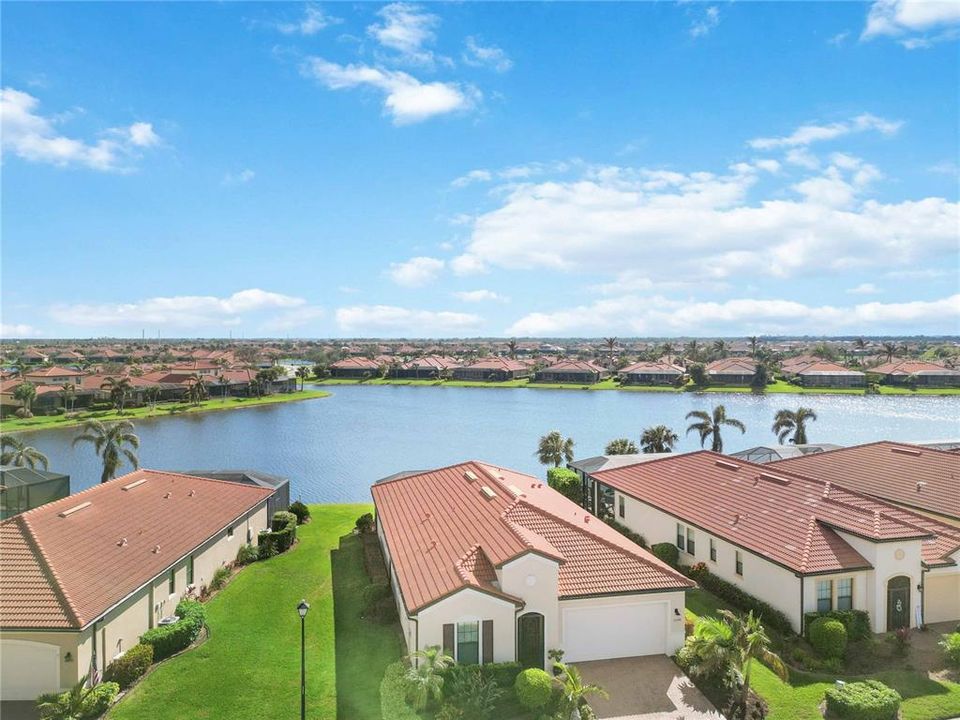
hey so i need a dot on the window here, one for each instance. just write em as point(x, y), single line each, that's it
point(172, 582)
point(713, 550)
point(681, 537)
point(230, 532)
point(190, 570)
point(845, 594)
point(691, 543)
point(739, 563)
point(468, 643)
point(622, 507)
point(824, 595)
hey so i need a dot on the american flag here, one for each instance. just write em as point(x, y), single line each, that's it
point(94, 671)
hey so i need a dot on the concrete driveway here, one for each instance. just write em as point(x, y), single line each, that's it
point(646, 688)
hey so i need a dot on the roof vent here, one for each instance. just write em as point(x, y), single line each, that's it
point(488, 491)
point(156, 549)
point(906, 451)
point(920, 485)
point(775, 478)
point(586, 518)
point(515, 490)
point(470, 475)
point(191, 493)
point(736, 519)
point(727, 464)
point(122, 542)
point(135, 483)
point(75, 508)
point(166, 495)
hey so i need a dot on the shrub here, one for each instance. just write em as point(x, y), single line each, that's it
point(393, 694)
point(901, 640)
point(772, 618)
point(867, 700)
point(58, 706)
point(627, 532)
point(167, 640)
point(281, 535)
point(99, 699)
point(696, 571)
point(301, 511)
point(266, 548)
point(667, 552)
point(533, 687)
point(503, 674)
point(130, 666)
point(566, 482)
point(365, 523)
point(475, 694)
point(857, 622)
point(828, 637)
point(951, 647)
point(220, 577)
point(246, 554)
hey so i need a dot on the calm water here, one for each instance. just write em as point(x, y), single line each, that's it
point(333, 449)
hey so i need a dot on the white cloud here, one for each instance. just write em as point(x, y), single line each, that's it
point(864, 289)
point(406, 28)
point(36, 138)
point(474, 176)
point(639, 315)
point(520, 172)
point(908, 20)
point(807, 134)
point(467, 264)
point(479, 55)
point(946, 167)
point(839, 38)
point(706, 22)
point(803, 158)
point(182, 311)
point(240, 178)
point(476, 296)
point(313, 21)
point(407, 99)
point(415, 272)
point(11, 331)
point(388, 320)
point(292, 319)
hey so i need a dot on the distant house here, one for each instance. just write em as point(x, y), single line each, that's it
point(829, 374)
point(493, 369)
point(279, 500)
point(23, 488)
point(597, 498)
point(355, 368)
point(53, 376)
point(67, 357)
point(773, 453)
point(573, 371)
point(650, 373)
point(31, 356)
point(430, 367)
point(731, 371)
point(920, 372)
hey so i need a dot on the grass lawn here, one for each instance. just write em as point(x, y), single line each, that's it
point(250, 665)
point(46, 422)
point(799, 698)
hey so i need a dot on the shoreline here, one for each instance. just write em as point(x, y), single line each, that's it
point(40, 423)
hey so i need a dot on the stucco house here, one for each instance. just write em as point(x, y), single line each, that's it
point(800, 542)
point(573, 371)
point(492, 565)
point(773, 453)
point(829, 374)
point(84, 577)
point(356, 367)
point(497, 369)
point(731, 371)
point(429, 367)
point(53, 376)
point(650, 373)
point(921, 372)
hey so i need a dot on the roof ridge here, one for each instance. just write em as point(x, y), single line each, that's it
point(63, 597)
point(808, 541)
point(873, 515)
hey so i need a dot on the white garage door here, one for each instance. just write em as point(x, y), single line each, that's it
point(610, 631)
point(28, 669)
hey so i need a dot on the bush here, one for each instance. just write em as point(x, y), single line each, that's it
point(57, 706)
point(246, 554)
point(301, 511)
point(828, 637)
point(503, 674)
point(627, 532)
point(281, 535)
point(126, 669)
point(365, 523)
point(99, 700)
point(533, 687)
point(857, 622)
point(772, 618)
point(667, 552)
point(951, 647)
point(167, 640)
point(474, 694)
point(867, 700)
point(220, 577)
point(566, 482)
point(393, 694)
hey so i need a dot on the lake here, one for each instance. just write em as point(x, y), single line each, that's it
point(332, 449)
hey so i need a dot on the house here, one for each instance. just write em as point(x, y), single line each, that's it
point(651, 373)
point(731, 371)
point(829, 374)
point(85, 576)
point(573, 371)
point(53, 376)
point(355, 368)
point(23, 488)
point(492, 565)
point(430, 367)
point(772, 453)
point(800, 542)
point(67, 357)
point(278, 501)
point(919, 372)
point(495, 369)
point(596, 498)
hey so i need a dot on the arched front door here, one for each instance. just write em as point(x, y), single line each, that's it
point(898, 602)
point(530, 640)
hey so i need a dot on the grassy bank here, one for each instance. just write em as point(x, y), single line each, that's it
point(47, 422)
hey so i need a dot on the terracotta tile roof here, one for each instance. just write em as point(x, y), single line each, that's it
point(732, 366)
point(584, 366)
point(445, 533)
point(781, 515)
point(53, 372)
point(923, 478)
point(912, 367)
point(651, 368)
point(358, 363)
point(823, 367)
point(431, 362)
point(499, 363)
point(66, 571)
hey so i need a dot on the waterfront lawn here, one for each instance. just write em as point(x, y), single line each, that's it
point(250, 665)
point(216, 404)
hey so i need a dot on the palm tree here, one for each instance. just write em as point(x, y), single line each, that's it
point(224, 382)
point(512, 348)
point(303, 372)
point(667, 351)
point(425, 676)
point(554, 449)
point(890, 349)
point(13, 451)
point(574, 689)
point(109, 441)
point(860, 344)
point(70, 705)
point(754, 344)
point(692, 350)
point(611, 343)
point(787, 421)
point(658, 439)
point(709, 426)
point(26, 393)
point(621, 446)
point(196, 390)
point(118, 388)
point(720, 348)
point(68, 391)
point(152, 395)
point(729, 645)
point(761, 376)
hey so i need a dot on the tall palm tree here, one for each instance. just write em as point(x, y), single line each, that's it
point(512, 348)
point(754, 344)
point(720, 348)
point(658, 439)
point(196, 389)
point(709, 426)
point(118, 388)
point(890, 349)
point(68, 391)
point(110, 442)
point(152, 395)
point(793, 421)
point(13, 451)
point(224, 383)
point(554, 449)
point(303, 372)
point(621, 446)
point(574, 689)
point(26, 393)
point(611, 343)
point(692, 350)
point(667, 351)
point(425, 676)
point(860, 344)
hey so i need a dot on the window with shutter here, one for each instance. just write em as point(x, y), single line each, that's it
point(448, 630)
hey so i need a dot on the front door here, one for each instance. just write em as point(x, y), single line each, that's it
point(530, 640)
point(898, 603)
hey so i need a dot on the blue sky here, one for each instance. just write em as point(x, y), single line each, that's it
point(662, 169)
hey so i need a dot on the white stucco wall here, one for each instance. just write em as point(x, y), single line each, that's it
point(862, 589)
point(471, 606)
point(942, 595)
point(407, 626)
point(534, 579)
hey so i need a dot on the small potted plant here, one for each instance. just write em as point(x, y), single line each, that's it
point(556, 657)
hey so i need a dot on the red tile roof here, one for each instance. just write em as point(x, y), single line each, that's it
point(732, 366)
point(358, 363)
point(53, 372)
point(651, 368)
point(66, 571)
point(445, 534)
point(583, 366)
point(912, 367)
point(823, 367)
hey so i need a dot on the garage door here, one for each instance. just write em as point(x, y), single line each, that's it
point(28, 669)
point(611, 631)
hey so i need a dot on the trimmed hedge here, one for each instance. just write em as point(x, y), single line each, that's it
point(281, 535)
point(627, 532)
point(503, 674)
point(566, 482)
point(393, 694)
point(668, 552)
point(533, 687)
point(301, 511)
point(170, 639)
point(828, 637)
point(867, 700)
point(857, 622)
point(771, 617)
point(129, 667)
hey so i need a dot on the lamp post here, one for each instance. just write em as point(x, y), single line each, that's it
point(302, 609)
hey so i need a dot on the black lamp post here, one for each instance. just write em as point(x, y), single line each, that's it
point(302, 610)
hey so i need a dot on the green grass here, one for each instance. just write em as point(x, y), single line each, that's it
point(250, 665)
point(47, 422)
